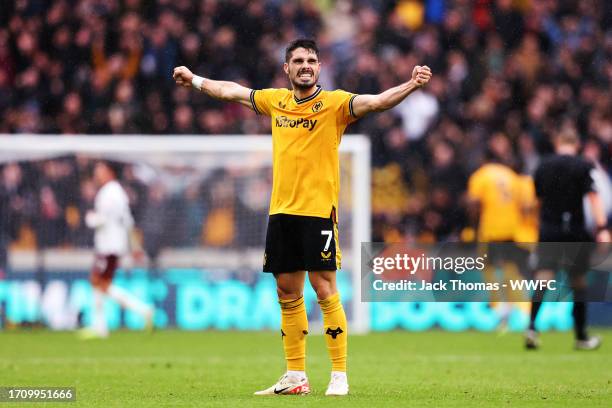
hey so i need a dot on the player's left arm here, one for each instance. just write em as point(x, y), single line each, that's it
point(135, 244)
point(363, 104)
point(602, 233)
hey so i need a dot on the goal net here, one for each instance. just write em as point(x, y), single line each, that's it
point(200, 206)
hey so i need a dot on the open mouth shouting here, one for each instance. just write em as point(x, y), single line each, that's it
point(306, 75)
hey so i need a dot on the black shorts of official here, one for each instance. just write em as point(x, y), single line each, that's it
point(300, 243)
point(564, 250)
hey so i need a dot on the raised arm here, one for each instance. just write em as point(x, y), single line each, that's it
point(363, 104)
point(222, 90)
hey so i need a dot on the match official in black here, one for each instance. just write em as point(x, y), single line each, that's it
point(562, 181)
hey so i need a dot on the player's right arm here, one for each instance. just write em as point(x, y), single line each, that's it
point(96, 217)
point(222, 90)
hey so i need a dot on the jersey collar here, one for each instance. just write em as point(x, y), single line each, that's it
point(308, 98)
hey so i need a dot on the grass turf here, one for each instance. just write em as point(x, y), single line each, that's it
point(430, 369)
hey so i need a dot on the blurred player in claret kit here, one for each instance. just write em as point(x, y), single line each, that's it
point(112, 222)
point(307, 126)
point(562, 181)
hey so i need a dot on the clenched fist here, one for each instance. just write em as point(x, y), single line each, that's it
point(421, 75)
point(182, 76)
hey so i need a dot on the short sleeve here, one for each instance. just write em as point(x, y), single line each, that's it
point(475, 186)
point(344, 103)
point(262, 100)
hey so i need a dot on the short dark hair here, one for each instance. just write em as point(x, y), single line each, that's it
point(113, 166)
point(305, 43)
point(567, 135)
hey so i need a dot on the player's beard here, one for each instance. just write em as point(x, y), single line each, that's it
point(297, 84)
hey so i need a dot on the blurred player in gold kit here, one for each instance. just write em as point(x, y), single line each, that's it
point(497, 207)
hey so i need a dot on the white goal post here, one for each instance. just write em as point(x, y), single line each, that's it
point(33, 147)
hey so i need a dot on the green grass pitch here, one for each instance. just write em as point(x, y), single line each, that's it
point(430, 369)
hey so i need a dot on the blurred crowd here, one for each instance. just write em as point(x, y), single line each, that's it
point(515, 68)
point(43, 204)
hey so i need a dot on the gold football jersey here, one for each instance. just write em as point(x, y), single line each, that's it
point(305, 134)
point(496, 187)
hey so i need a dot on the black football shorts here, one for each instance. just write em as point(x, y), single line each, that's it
point(300, 243)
